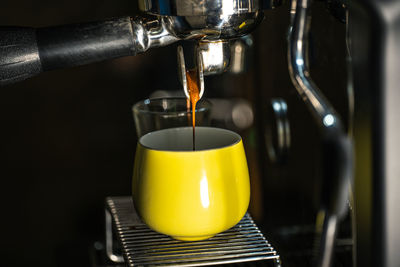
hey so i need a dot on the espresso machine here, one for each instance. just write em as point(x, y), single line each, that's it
point(340, 59)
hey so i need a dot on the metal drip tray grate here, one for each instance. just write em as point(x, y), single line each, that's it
point(142, 246)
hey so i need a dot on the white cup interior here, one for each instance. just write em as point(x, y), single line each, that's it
point(181, 139)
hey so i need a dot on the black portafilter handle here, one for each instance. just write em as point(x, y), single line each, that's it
point(25, 52)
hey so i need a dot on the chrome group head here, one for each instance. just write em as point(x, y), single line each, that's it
point(209, 19)
point(211, 22)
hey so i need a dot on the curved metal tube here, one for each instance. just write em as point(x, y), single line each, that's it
point(322, 110)
point(337, 146)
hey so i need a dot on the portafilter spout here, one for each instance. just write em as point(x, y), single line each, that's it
point(25, 52)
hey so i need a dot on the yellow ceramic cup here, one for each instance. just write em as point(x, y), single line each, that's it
point(191, 195)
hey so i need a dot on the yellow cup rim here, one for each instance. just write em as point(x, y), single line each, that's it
point(238, 139)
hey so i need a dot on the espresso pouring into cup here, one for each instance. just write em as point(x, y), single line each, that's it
point(187, 194)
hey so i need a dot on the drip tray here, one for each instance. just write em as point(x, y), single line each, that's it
point(140, 246)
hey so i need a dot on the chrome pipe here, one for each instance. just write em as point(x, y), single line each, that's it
point(336, 146)
point(320, 107)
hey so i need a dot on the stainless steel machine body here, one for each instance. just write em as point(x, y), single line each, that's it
point(211, 20)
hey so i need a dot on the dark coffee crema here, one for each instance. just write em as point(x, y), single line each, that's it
point(194, 96)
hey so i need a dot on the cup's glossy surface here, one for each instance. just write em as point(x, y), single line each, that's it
point(186, 194)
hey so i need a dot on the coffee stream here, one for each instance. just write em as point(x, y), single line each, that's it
point(194, 94)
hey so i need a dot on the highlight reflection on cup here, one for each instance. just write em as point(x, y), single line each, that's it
point(186, 194)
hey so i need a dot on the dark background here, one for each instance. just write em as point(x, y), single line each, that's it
point(68, 138)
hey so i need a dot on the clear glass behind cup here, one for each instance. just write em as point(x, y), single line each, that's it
point(162, 113)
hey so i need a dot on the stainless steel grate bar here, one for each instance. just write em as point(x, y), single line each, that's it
point(243, 229)
point(142, 246)
point(167, 240)
point(128, 230)
point(151, 261)
point(197, 256)
point(211, 245)
point(157, 238)
point(213, 262)
point(201, 251)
